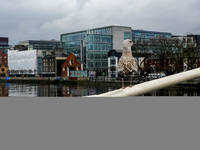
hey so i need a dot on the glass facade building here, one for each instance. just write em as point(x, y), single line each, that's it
point(142, 39)
point(73, 42)
point(92, 45)
point(98, 43)
point(143, 35)
point(41, 44)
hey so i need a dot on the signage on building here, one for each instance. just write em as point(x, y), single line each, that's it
point(78, 74)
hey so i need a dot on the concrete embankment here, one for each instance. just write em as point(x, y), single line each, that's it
point(68, 80)
point(55, 80)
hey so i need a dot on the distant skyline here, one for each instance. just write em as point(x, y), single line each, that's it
point(47, 19)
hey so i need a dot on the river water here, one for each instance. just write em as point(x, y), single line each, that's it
point(59, 90)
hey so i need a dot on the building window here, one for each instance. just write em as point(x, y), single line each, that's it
point(44, 53)
point(112, 62)
point(127, 35)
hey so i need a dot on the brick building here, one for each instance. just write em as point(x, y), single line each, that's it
point(71, 64)
point(52, 64)
point(4, 44)
point(3, 64)
point(48, 65)
point(3, 59)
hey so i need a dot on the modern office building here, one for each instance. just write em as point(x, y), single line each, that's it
point(91, 46)
point(40, 44)
point(196, 39)
point(144, 35)
point(142, 39)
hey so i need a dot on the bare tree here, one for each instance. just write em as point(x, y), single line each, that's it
point(172, 52)
point(141, 49)
point(161, 48)
point(191, 54)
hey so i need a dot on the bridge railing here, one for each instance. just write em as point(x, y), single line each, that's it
point(146, 87)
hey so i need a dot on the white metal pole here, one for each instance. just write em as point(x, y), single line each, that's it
point(153, 85)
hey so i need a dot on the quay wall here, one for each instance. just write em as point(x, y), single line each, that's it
point(81, 80)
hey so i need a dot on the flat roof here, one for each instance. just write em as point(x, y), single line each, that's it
point(95, 29)
point(140, 30)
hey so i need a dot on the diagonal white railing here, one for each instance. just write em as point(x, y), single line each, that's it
point(146, 87)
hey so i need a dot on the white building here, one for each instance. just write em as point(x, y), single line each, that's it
point(28, 62)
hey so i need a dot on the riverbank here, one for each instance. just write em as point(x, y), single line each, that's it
point(68, 80)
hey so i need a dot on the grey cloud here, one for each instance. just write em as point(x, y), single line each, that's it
point(47, 19)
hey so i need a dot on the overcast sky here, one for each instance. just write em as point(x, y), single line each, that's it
point(46, 19)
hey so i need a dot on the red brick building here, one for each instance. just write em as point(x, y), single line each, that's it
point(3, 64)
point(4, 44)
point(71, 64)
point(3, 59)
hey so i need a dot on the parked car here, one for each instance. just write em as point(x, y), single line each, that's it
point(161, 75)
point(156, 75)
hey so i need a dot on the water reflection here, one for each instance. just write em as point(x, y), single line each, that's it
point(4, 90)
point(177, 91)
point(51, 90)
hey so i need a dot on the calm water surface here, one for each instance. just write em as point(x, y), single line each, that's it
point(38, 90)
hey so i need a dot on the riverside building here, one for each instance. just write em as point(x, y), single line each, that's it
point(27, 62)
point(4, 44)
point(40, 44)
point(91, 46)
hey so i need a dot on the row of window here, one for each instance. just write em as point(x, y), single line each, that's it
point(105, 31)
point(150, 34)
point(99, 38)
point(73, 36)
point(71, 44)
point(97, 55)
point(1, 57)
point(50, 69)
point(97, 64)
point(46, 64)
point(99, 46)
point(46, 60)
